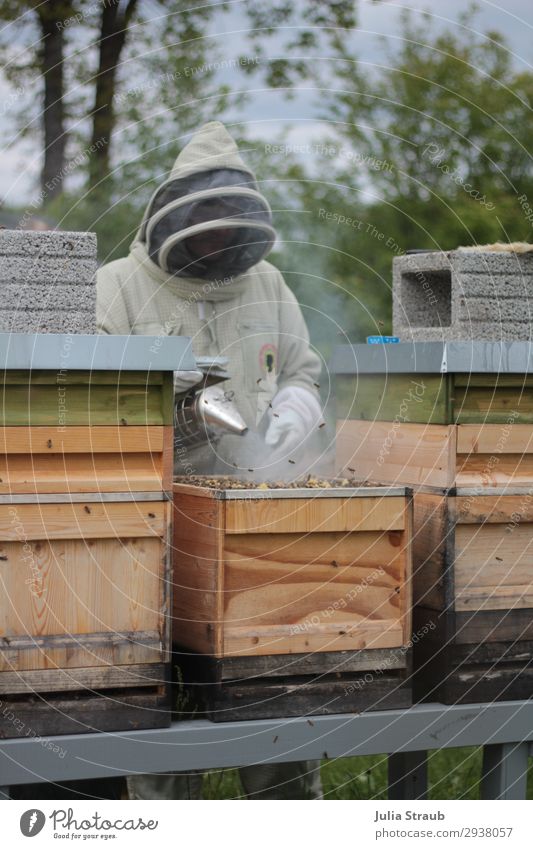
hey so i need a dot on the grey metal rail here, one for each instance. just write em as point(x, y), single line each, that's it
point(505, 729)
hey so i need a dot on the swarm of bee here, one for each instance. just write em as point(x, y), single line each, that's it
point(230, 482)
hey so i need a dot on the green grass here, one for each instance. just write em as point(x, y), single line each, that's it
point(453, 774)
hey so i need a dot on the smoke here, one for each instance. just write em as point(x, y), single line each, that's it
point(249, 458)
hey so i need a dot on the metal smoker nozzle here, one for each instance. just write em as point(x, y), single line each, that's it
point(207, 406)
point(216, 408)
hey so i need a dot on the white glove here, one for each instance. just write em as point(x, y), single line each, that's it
point(295, 413)
point(185, 380)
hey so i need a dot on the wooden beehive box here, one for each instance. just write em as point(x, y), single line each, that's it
point(110, 452)
point(273, 584)
point(455, 421)
point(473, 587)
point(438, 456)
point(85, 517)
point(435, 414)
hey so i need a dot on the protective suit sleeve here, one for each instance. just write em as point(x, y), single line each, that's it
point(111, 313)
point(299, 364)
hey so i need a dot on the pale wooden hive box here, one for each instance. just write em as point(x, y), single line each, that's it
point(436, 415)
point(259, 573)
point(285, 598)
point(85, 517)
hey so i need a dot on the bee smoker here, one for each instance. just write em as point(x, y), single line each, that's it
point(207, 409)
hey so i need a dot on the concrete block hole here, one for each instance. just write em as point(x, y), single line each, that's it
point(426, 298)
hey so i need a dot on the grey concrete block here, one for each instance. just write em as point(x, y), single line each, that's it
point(46, 270)
point(47, 243)
point(47, 281)
point(46, 321)
point(487, 331)
point(491, 262)
point(473, 331)
point(494, 285)
point(34, 296)
point(493, 309)
point(463, 295)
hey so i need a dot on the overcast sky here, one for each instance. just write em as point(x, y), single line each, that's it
point(268, 114)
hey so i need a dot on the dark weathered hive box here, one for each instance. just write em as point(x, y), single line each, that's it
point(473, 583)
point(455, 420)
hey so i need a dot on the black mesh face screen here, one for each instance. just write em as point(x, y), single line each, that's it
point(215, 179)
point(218, 252)
point(215, 261)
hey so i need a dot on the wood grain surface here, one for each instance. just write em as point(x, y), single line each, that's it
point(278, 576)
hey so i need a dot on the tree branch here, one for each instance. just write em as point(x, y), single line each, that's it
point(113, 34)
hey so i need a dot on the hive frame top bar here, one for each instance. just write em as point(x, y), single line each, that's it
point(434, 358)
point(64, 351)
point(84, 497)
point(302, 492)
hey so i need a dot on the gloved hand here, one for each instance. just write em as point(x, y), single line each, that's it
point(295, 413)
point(185, 380)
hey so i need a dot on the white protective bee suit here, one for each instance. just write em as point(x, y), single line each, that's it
point(196, 269)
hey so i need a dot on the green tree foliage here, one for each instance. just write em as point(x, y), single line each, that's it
point(123, 80)
point(428, 149)
point(431, 149)
point(131, 79)
point(95, 76)
point(445, 123)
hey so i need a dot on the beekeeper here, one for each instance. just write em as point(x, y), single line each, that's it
point(197, 268)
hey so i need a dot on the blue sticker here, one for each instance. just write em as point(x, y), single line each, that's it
point(381, 340)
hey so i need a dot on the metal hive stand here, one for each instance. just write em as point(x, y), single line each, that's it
point(505, 729)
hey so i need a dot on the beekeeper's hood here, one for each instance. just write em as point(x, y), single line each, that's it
point(208, 220)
